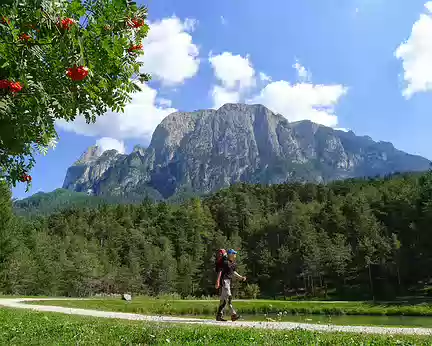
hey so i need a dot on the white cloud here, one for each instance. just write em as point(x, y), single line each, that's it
point(169, 52)
point(303, 74)
point(222, 96)
point(416, 55)
point(138, 121)
point(164, 102)
point(233, 71)
point(299, 101)
point(190, 24)
point(264, 78)
point(302, 101)
point(107, 143)
point(236, 76)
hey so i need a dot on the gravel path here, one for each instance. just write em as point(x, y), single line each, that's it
point(19, 303)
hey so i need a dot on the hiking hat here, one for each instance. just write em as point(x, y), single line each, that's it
point(232, 252)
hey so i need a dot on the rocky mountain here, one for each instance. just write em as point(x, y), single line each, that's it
point(203, 151)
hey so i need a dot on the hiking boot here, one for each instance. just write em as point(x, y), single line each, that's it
point(220, 318)
point(235, 317)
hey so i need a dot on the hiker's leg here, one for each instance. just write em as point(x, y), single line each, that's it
point(223, 301)
point(229, 296)
point(221, 308)
point(233, 312)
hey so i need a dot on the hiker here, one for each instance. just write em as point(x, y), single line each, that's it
point(226, 270)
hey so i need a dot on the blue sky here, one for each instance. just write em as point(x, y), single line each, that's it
point(363, 65)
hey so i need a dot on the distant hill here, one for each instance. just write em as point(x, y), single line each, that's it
point(43, 203)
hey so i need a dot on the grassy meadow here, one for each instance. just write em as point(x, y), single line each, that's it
point(166, 306)
point(20, 327)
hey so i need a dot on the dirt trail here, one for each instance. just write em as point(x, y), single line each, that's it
point(19, 303)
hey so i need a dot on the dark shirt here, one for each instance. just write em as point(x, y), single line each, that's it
point(228, 269)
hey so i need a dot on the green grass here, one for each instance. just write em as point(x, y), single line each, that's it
point(2, 296)
point(19, 327)
point(144, 305)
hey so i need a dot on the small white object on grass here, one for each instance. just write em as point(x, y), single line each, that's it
point(127, 297)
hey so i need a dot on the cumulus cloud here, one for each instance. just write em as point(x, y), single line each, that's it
point(416, 55)
point(303, 74)
point(264, 77)
point(302, 101)
point(299, 101)
point(138, 121)
point(170, 55)
point(235, 75)
point(222, 96)
point(190, 24)
point(233, 71)
point(164, 102)
point(107, 143)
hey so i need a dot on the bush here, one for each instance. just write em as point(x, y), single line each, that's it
point(250, 291)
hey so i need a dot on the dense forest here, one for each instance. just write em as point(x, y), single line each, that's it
point(45, 203)
point(355, 239)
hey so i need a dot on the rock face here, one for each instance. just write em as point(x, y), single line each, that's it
point(202, 151)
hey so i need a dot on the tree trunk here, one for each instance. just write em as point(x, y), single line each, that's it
point(304, 283)
point(398, 275)
point(371, 283)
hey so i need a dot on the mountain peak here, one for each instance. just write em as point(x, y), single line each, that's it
point(138, 147)
point(93, 152)
point(206, 150)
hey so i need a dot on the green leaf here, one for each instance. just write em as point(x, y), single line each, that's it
point(77, 8)
point(41, 67)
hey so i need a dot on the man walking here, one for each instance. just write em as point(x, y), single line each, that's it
point(223, 281)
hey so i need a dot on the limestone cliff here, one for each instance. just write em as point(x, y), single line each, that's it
point(206, 150)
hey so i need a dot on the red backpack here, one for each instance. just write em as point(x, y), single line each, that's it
point(221, 255)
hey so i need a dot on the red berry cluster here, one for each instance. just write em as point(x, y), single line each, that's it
point(136, 23)
point(135, 48)
point(67, 23)
point(25, 178)
point(25, 37)
point(12, 86)
point(77, 73)
point(5, 20)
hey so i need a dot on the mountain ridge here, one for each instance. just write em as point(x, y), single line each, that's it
point(205, 150)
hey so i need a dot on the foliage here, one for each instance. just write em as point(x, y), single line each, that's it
point(251, 291)
point(34, 328)
point(60, 59)
point(42, 203)
point(356, 239)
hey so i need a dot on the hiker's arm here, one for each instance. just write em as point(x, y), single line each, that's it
point(218, 278)
point(237, 275)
